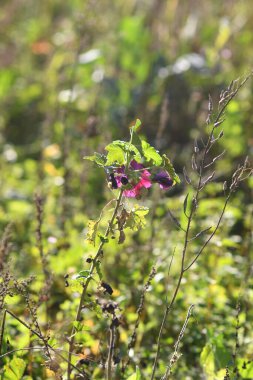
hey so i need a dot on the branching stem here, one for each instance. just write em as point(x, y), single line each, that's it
point(217, 121)
point(88, 279)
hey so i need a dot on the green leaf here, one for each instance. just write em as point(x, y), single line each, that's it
point(15, 369)
point(76, 284)
point(92, 231)
point(103, 239)
point(214, 356)
point(245, 368)
point(136, 218)
point(136, 375)
point(97, 309)
point(115, 154)
point(137, 142)
point(151, 154)
point(170, 169)
point(221, 354)
point(207, 361)
point(79, 326)
point(117, 151)
point(137, 125)
point(98, 269)
point(83, 274)
point(99, 159)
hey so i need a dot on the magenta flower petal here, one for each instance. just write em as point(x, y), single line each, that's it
point(145, 181)
point(138, 177)
point(135, 191)
point(132, 193)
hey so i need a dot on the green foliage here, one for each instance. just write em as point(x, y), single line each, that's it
point(73, 77)
point(136, 375)
point(99, 159)
point(137, 217)
point(115, 153)
point(15, 369)
point(151, 154)
point(92, 231)
point(214, 356)
point(121, 152)
point(245, 368)
point(169, 167)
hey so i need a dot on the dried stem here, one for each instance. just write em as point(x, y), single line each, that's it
point(88, 279)
point(4, 246)
point(2, 331)
point(139, 313)
point(200, 169)
point(175, 355)
point(110, 353)
point(39, 208)
point(237, 327)
point(47, 346)
point(39, 237)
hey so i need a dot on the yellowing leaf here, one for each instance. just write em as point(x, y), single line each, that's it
point(136, 218)
point(136, 375)
point(92, 231)
point(208, 362)
point(15, 369)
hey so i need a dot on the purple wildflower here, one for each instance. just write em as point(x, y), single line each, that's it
point(164, 180)
point(138, 178)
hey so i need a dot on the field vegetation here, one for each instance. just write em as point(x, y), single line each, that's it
point(126, 208)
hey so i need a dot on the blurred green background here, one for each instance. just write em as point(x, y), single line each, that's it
point(73, 76)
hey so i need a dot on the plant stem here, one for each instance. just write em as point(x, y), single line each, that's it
point(2, 331)
point(110, 353)
point(88, 279)
point(187, 232)
point(170, 305)
point(174, 356)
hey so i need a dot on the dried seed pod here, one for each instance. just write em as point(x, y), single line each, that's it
point(109, 307)
point(108, 289)
point(115, 322)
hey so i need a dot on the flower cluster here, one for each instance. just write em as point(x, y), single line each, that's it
point(138, 178)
